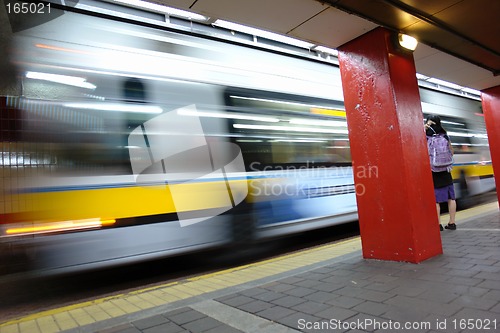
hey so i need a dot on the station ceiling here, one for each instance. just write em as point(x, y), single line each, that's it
point(459, 39)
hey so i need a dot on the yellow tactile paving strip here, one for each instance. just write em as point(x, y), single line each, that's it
point(475, 212)
point(74, 316)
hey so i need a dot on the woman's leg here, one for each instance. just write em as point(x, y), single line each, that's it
point(452, 208)
point(438, 207)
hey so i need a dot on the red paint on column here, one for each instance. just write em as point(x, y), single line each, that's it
point(491, 110)
point(397, 210)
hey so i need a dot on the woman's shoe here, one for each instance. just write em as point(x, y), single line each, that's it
point(452, 226)
point(441, 228)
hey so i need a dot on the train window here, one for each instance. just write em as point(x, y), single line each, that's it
point(85, 133)
point(73, 140)
point(277, 130)
point(134, 91)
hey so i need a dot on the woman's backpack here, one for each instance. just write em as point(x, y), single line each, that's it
point(440, 154)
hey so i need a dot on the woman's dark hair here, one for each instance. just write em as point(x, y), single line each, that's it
point(436, 128)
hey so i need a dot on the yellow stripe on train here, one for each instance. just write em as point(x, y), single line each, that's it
point(125, 202)
point(472, 170)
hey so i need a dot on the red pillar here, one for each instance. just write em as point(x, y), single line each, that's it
point(491, 110)
point(395, 197)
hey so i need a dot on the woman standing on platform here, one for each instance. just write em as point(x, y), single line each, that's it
point(443, 182)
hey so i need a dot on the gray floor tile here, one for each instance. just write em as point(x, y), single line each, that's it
point(165, 328)
point(185, 317)
point(276, 312)
point(202, 325)
point(150, 322)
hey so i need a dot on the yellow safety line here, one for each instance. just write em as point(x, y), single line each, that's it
point(85, 313)
point(174, 291)
point(464, 215)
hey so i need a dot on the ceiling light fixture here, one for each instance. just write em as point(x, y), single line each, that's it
point(262, 33)
point(164, 9)
point(408, 42)
point(444, 83)
point(327, 50)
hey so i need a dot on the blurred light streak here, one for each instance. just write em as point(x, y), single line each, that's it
point(279, 102)
point(328, 112)
point(297, 140)
point(318, 122)
point(452, 123)
point(63, 79)
point(226, 116)
point(464, 135)
point(49, 227)
point(116, 107)
point(290, 128)
point(56, 48)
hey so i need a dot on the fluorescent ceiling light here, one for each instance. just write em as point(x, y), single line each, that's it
point(325, 49)
point(408, 42)
point(120, 107)
point(444, 83)
point(226, 116)
point(63, 79)
point(164, 9)
point(422, 77)
point(262, 33)
point(471, 91)
point(448, 84)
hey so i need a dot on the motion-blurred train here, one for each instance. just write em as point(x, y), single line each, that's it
point(134, 142)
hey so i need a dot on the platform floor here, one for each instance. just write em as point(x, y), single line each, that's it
point(329, 288)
